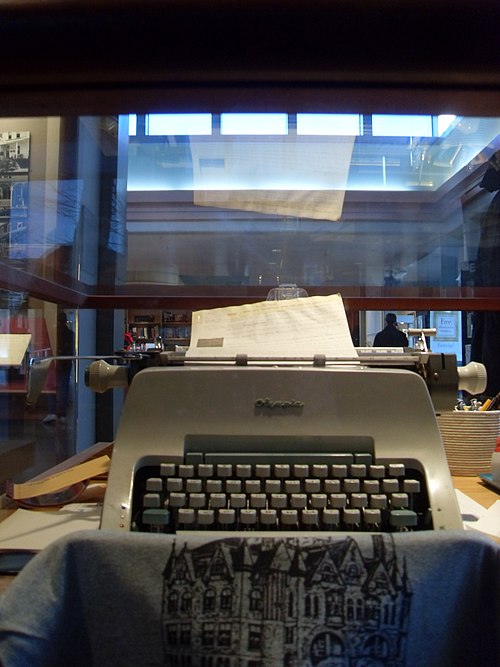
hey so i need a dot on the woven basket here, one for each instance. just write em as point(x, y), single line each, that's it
point(469, 439)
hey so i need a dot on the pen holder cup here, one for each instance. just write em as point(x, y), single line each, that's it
point(469, 439)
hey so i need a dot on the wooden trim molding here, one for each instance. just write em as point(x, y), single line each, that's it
point(153, 296)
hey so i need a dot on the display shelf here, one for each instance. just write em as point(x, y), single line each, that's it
point(176, 327)
point(173, 326)
point(144, 325)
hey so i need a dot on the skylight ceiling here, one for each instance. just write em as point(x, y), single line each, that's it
point(305, 152)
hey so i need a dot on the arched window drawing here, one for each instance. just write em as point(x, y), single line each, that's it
point(389, 613)
point(173, 601)
point(352, 572)
point(334, 605)
point(372, 609)
point(186, 601)
point(359, 609)
point(307, 605)
point(217, 566)
point(329, 604)
point(377, 646)
point(224, 637)
point(185, 634)
point(254, 637)
point(381, 582)
point(171, 634)
point(350, 610)
point(291, 606)
point(207, 634)
point(327, 648)
point(255, 600)
point(226, 599)
point(209, 600)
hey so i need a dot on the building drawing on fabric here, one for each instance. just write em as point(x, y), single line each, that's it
point(287, 602)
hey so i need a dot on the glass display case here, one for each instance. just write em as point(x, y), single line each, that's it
point(221, 153)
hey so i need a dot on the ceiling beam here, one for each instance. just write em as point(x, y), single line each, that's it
point(120, 56)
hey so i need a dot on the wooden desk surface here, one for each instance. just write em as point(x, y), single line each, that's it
point(475, 489)
point(471, 486)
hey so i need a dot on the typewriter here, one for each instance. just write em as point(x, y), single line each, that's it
point(290, 448)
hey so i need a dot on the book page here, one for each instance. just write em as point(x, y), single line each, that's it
point(289, 328)
point(288, 175)
point(13, 348)
point(28, 529)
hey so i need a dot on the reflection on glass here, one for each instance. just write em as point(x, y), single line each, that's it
point(325, 124)
point(331, 201)
point(179, 124)
point(391, 153)
point(96, 209)
point(392, 201)
point(252, 124)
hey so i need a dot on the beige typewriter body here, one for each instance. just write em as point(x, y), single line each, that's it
point(224, 410)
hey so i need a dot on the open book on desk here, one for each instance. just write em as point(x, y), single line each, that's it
point(34, 530)
point(25, 531)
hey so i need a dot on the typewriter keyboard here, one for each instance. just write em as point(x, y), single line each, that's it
point(352, 493)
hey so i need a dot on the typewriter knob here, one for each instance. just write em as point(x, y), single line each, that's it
point(472, 378)
point(101, 376)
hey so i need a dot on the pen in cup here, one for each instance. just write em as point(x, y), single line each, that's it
point(495, 402)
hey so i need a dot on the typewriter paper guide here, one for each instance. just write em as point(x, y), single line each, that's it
point(290, 328)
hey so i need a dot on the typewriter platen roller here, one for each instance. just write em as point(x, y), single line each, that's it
point(439, 371)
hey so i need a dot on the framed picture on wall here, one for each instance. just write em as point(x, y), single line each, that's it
point(14, 174)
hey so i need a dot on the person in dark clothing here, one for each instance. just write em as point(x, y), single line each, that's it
point(390, 336)
point(486, 324)
point(66, 348)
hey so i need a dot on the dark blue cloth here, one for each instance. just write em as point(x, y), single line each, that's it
point(423, 599)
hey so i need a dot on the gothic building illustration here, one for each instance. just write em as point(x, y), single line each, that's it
point(289, 602)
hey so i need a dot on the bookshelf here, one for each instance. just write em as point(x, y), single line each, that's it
point(144, 325)
point(174, 326)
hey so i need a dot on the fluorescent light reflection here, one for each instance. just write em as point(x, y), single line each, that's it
point(132, 125)
point(328, 124)
point(180, 124)
point(254, 123)
point(393, 125)
point(444, 123)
